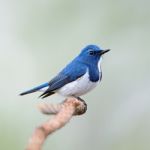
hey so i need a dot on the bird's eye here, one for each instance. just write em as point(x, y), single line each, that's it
point(91, 52)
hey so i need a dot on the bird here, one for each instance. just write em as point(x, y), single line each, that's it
point(79, 77)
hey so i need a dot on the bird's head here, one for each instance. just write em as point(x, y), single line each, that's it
point(92, 53)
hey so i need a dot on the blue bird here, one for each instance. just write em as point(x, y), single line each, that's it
point(79, 77)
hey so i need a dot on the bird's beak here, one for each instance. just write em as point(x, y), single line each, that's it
point(104, 51)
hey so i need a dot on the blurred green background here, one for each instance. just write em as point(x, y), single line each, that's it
point(38, 37)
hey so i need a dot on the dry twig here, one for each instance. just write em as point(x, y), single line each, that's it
point(63, 113)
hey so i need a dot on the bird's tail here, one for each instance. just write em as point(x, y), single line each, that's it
point(35, 89)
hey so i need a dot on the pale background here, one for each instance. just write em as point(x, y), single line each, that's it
point(39, 37)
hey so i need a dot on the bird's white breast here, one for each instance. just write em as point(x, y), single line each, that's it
point(79, 87)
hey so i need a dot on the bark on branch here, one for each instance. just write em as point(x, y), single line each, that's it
point(62, 112)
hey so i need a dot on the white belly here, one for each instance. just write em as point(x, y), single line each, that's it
point(77, 88)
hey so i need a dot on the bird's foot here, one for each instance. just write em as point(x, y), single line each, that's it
point(80, 99)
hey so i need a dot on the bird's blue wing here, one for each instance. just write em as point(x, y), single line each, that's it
point(69, 74)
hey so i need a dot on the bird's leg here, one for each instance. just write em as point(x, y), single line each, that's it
point(79, 98)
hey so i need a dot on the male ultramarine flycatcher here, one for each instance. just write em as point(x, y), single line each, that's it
point(79, 77)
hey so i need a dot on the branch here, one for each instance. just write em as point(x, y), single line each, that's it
point(63, 113)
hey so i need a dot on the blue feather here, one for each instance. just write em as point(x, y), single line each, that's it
point(69, 74)
point(35, 89)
